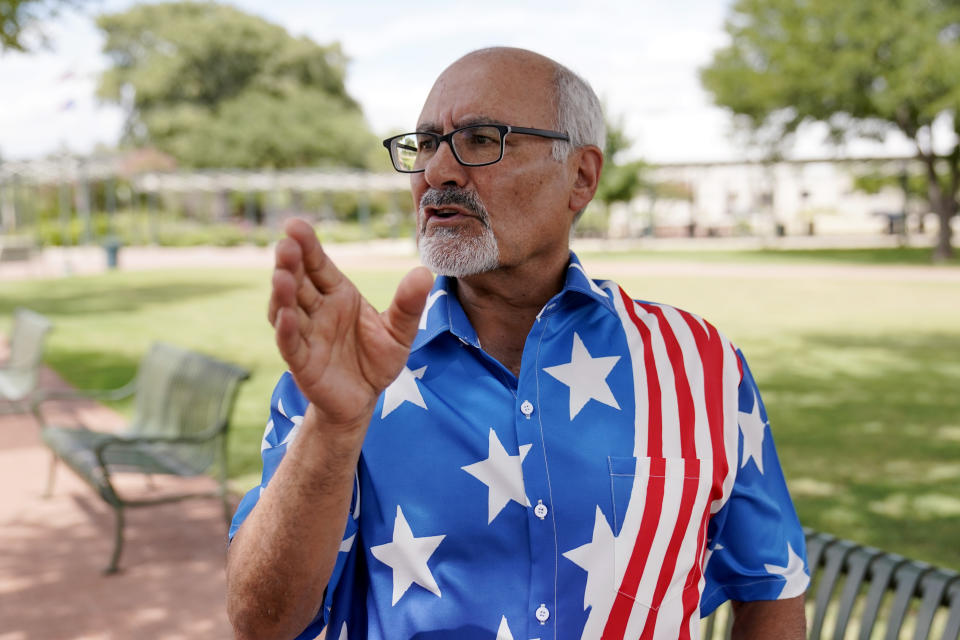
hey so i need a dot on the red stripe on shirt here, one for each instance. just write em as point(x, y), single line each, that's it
point(691, 482)
point(623, 602)
point(710, 347)
point(691, 597)
point(654, 411)
point(688, 447)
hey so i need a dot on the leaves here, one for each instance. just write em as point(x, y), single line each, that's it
point(214, 87)
point(19, 19)
point(619, 182)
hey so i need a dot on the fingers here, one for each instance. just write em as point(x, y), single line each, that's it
point(319, 268)
point(402, 317)
point(290, 342)
point(290, 283)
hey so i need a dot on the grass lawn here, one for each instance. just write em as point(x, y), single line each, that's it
point(860, 373)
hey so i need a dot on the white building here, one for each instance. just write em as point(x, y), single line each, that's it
point(792, 197)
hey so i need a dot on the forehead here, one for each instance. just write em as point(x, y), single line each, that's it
point(499, 87)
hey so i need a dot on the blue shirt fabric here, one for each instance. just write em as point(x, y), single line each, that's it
point(624, 484)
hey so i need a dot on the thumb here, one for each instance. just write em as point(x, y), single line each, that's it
point(402, 317)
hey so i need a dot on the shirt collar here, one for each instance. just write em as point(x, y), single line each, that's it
point(443, 312)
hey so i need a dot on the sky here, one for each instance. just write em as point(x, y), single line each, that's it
point(641, 56)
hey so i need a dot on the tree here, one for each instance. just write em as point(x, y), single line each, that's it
point(213, 86)
point(866, 68)
point(619, 181)
point(22, 17)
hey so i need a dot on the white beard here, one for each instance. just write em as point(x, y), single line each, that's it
point(453, 253)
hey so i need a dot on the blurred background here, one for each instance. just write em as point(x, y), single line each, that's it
point(787, 169)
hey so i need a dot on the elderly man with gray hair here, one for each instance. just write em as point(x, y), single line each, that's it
point(515, 450)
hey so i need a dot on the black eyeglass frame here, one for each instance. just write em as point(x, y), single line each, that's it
point(504, 129)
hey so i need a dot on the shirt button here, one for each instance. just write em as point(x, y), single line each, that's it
point(526, 408)
point(543, 614)
point(540, 510)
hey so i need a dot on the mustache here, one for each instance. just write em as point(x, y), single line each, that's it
point(465, 198)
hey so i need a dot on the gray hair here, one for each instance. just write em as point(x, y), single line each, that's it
point(579, 114)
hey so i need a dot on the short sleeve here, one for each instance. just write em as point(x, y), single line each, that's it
point(287, 406)
point(755, 544)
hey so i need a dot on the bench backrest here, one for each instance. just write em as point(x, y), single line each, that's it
point(185, 394)
point(27, 336)
point(26, 340)
point(862, 592)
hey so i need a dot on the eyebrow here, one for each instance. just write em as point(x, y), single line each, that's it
point(432, 127)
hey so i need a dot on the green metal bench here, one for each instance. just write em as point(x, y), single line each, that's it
point(862, 592)
point(20, 373)
point(182, 405)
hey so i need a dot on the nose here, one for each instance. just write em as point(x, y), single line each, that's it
point(443, 169)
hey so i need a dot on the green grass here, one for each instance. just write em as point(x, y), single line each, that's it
point(860, 375)
point(918, 256)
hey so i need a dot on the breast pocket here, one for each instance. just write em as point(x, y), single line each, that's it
point(660, 507)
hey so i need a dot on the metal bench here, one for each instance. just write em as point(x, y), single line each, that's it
point(862, 592)
point(19, 375)
point(182, 405)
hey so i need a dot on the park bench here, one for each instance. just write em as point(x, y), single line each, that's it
point(862, 592)
point(182, 405)
point(19, 375)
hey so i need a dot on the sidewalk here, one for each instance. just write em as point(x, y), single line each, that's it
point(171, 585)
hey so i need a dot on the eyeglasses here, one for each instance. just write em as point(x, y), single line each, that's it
point(474, 146)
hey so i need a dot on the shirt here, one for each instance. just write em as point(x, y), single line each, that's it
point(622, 485)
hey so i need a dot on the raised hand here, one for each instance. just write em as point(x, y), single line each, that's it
point(341, 351)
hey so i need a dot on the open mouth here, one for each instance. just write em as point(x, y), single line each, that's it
point(446, 213)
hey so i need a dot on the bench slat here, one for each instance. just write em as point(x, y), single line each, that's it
point(934, 588)
point(858, 562)
point(835, 554)
point(951, 630)
point(907, 577)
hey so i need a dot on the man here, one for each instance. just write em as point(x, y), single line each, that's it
point(522, 452)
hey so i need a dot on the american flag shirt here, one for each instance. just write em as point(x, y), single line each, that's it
point(623, 485)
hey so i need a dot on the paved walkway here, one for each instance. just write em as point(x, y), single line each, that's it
point(52, 550)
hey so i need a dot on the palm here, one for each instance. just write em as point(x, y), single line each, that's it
point(340, 350)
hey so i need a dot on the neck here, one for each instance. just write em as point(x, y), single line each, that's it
point(503, 304)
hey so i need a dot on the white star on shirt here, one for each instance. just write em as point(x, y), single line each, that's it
point(503, 633)
point(503, 475)
point(403, 389)
point(794, 575)
point(752, 426)
point(426, 308)
point(596, 558)
point(408, 557)
point(586, 376)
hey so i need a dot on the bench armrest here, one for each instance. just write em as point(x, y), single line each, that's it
point(41, 397)
point(131, 441)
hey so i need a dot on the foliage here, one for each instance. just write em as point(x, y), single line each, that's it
point(619, 181)
point(864, 68)
point(213, 87)
point(20, 18)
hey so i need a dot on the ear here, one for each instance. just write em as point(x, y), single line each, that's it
point(587, 163)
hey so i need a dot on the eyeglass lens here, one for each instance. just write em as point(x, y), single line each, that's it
point(472, 145)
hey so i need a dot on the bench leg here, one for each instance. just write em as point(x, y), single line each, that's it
point(113, 567)
point(48, 492)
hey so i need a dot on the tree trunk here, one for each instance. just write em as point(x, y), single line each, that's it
point(945, 205)
point(943, 250)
